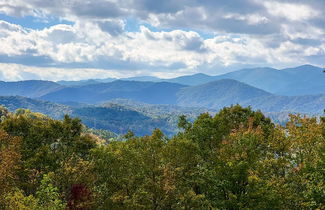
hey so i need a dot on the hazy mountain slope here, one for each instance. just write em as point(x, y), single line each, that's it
point(78, 83)
point(268, 79)
point(142, 79)
point(195, 79)
point(69, 94)
point(301, 80)
point(304, 72)
point(148, 92)
point(313, 104)
point(107, 80)
point(96, 92)
point(308, 79)
point(218, 94)
point(159, 93)
point(28, 88)
point(52, 109)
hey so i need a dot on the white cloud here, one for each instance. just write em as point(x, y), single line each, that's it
point(291, 11)
point(15, 72)
point(253, 19)
point(268, 33)
point(13, 39)
point(183, 51)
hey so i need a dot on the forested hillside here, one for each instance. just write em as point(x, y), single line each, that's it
point(118, 116)
point(121, 115)
point(54, 110)
point(119, 119)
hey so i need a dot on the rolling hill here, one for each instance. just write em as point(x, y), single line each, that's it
point(301, 80)
point(218, 94)
point(268, 79)
point(120, 120)
point(310, 104)
point(106, 80)
point(28, 88)
point(78, 83)
point(121, 115)
point(191, 80)
point(53, 110)
point(112, 117)
point(308, 80)
point(148, 92)
point(142, 79)
point(226, 92)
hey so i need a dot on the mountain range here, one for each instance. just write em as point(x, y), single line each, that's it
point(148, 92)
point(301, 80)
point(156, 101)
point(28, 88)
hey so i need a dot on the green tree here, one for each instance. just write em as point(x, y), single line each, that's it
point(9, 163)
point(48, 196)
point(17, 200)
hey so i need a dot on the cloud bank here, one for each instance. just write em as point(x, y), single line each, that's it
point(164, 38)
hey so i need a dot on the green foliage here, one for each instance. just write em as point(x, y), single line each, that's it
point(103, 134)
point(17, 200)
point(237, 159)
point(45, 144)
point(9, 163)
point(48, 196)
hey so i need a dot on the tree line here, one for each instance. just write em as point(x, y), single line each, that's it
point(237, 159)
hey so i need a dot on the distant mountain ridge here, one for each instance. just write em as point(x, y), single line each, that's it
point(28, 88)
point(299, 89)
point(192, 80)
point(218, 94)
point(312, 104)
point(226, 92)
point(106, 80)
point(148, 92)
point(301, 80)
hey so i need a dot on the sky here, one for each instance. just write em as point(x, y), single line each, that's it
point(82, 39)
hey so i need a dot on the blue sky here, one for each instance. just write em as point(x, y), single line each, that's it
point(81, 39)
